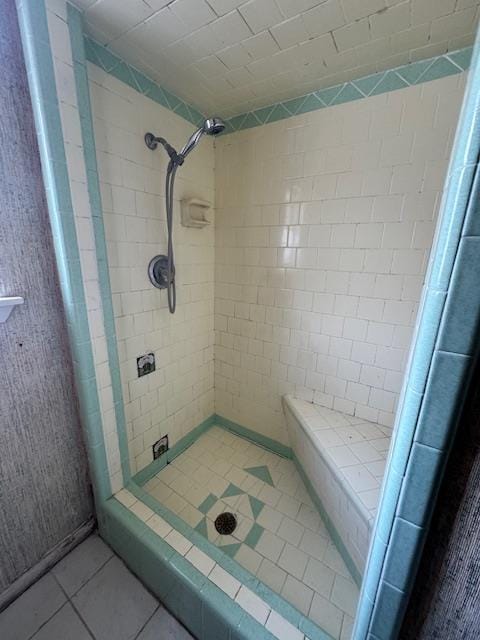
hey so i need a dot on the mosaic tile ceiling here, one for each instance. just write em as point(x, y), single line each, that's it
point(236, 56)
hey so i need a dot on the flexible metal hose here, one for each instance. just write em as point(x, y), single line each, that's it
point(169, 184)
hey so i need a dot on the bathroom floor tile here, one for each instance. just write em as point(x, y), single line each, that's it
point(65, 624)
point(280, 537)
point(114, 604)
point(32, 609)
point(162, 626)
point(80, 564)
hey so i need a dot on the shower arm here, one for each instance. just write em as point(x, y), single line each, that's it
point(153, 141)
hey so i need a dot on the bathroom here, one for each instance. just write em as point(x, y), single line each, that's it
point(258, 229)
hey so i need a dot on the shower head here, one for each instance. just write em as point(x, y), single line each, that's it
point(211, 127)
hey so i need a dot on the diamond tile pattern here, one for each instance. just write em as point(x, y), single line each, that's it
point(362, 87)
point(238, 55)
point(280, 536)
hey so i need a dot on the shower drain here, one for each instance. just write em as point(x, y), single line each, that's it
point(226, 523)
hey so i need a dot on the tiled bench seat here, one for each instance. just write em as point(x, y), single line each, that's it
point(344, 459)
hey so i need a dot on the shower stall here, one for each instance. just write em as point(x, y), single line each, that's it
point(238, 445)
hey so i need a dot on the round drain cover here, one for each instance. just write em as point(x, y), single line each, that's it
point(226, 523)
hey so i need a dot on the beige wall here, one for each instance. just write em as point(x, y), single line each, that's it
point(323, 231)
point(179, 395)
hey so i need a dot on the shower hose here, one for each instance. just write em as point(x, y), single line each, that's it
point(169, 183)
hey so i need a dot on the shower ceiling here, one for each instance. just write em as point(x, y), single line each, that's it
point(231, 56)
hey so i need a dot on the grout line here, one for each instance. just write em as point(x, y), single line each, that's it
point(50, 618)
point(149, 618)
point(72, 604)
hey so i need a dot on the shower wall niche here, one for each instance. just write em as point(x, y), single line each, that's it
point(178, 395)
point(324, 226)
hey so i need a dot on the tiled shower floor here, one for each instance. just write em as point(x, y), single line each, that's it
point(280, 536)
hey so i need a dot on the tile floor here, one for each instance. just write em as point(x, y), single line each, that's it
point(280, 537)
point(90, 594)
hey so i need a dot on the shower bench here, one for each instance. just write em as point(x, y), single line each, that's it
point(343, 458)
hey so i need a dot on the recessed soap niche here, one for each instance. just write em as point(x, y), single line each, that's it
point(194, 213)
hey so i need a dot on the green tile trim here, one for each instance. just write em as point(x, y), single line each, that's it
point(262, 441)
point(288, 611)
point(342, 549)
point(232, 490)
point(191, 597)
point(254, 535)
point(208, 503)
point(75, 27)
point(256, 506)
point(157, 465)
point(262, 473)
point(382, 82)
point(114, 65)
point(39, 63)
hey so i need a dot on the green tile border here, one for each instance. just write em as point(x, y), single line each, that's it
point(406, 75)
point(342, 549)
point(114, 65)
point(75, 27)
point(202, 607)
point(259, 439)
point(33, 24)
point(398, 78)
point(144, 475)
point(288, 611)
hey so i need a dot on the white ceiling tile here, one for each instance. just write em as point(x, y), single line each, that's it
point(238, 54)
point(355, 9)
point(289, 33)
point(221, 7)
point(234, 56)
point(291, 8)
point(211, 66)
point(113, 18)
point(390, 21)
point(261, 45)
point(324, 18)
point(351, 35)
point(160, 30)
point(260, 14)
point(194, 13)
point(453, 25)
point(427, 10)
point(231, 29)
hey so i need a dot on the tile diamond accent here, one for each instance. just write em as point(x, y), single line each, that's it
point(208, 503)
point(256, 505)
point(262, 473)
point(232, 490)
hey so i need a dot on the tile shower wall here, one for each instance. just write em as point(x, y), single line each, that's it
point(324, 224)
point(179, 394)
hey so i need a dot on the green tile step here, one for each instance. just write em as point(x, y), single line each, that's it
point(262, 473)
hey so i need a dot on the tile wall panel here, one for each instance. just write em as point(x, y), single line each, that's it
point(179, 394)
point(324, 224)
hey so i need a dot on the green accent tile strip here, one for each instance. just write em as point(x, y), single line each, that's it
point(262, 473)
point(200, 605)
point(342, 549)
point(249, 434)
point(200, 539)
point(202, 528)
point(382, 82)
point(208, 503)
point(256, 506)
point(157, 465)
point(232, 490)
point(231, 549)
point(254, 535)
point(41, 78)
point(74, 21)
point(111, 63)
